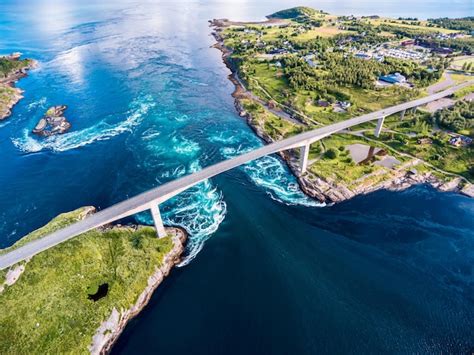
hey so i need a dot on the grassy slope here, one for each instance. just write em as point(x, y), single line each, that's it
point(6, 94)
point(47, 310)
point(423, 25)
point(294, 12)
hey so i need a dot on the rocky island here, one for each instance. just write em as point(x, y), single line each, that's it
point(78, 296)
point(53, 122)
point(12, 68)
point(304, 68)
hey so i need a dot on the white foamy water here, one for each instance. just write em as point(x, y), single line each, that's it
point(200, 210)
point(101, 131)
point(270, 173)
point(41, 103)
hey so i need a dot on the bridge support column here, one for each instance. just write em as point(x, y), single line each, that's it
point(304, 155)
point(402, 115)
point(378, 129)
point(160, 228)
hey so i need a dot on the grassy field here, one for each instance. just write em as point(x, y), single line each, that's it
point(323, 31)
point(458, 63)
point(464, 91)
point(275, 126)
point(47, 311)
point(6, 94)
point(423, 26)
point(440, 153)
point(271, 80)
point(340, 168)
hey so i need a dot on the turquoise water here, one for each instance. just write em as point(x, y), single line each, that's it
point(267, 270)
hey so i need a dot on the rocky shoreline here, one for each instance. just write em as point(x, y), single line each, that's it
point(8, 83)
point(110, 330)
point(311, 184)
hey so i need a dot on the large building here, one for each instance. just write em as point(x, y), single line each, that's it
point(396, 78)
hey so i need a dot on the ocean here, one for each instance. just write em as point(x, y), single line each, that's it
point(267, 270)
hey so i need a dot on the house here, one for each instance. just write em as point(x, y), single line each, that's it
point(443, 50)
point(363, 56)
point(396, 78)
point(323, 103)
point(278, 51)
point(310, 60)
point(379, 58)
point(460, 141)
point(344, 104)
point(409, 42)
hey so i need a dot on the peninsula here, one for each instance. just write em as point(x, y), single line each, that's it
point(303, 69)
point(12, 68)
point(78, 296)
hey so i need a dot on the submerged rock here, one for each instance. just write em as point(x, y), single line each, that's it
point(53, 122)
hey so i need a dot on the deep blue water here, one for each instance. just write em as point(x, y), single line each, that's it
point(267, 270)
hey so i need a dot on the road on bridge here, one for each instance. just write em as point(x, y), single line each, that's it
point(166, 191)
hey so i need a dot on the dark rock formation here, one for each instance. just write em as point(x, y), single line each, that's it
point(53, 122)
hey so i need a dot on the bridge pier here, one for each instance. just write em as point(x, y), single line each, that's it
point(155, 213)
point(402, 115)
point(304, 155)
point(378, 129)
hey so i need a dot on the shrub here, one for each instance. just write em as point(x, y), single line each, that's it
point(331, 153)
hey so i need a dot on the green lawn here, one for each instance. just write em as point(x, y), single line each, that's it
point(341, 168)
point(47, 311)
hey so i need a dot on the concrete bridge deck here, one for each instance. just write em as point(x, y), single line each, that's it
point(150, 200)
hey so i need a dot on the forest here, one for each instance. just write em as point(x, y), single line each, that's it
point(458, 117)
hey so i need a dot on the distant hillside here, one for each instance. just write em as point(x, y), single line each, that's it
point(294, 12)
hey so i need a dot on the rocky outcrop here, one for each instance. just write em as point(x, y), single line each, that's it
point(110, 329)
point(9, 94)
point(12, 276)
point(53, 122)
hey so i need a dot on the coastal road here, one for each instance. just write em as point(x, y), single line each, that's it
point(166, 191)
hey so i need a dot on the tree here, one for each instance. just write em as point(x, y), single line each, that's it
point(331, 153)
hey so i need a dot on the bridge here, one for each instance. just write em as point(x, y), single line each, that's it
point(150, 200)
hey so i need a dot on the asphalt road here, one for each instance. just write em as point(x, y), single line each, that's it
point(164, 192)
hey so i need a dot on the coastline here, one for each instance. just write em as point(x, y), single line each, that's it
point(312, 185)
point(144, 261)
point(111, 329)
point(17, 94)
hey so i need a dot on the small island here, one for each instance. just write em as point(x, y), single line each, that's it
point(78, 296)
point(303, 69)
point(12, 69)
point(53, 122)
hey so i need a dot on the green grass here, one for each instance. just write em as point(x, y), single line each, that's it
point(6, 94)
point(440, 154)
point(422, 27)
point(9, 66)
point(464, 91)
point(276, 127)
point(47, 310)
point(341, 168)
point(458, 63)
